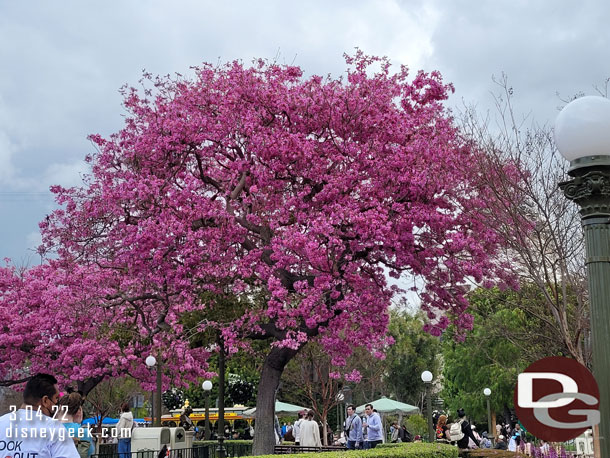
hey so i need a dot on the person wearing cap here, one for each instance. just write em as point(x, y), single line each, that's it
point(500, 445)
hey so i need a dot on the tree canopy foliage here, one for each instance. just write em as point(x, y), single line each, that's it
point(257, 182)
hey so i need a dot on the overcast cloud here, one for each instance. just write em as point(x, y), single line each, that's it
point(62, 63)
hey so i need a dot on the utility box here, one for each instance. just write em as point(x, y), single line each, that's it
point(178, 438)
point(143, 439)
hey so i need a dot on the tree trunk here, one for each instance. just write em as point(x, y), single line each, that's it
point(264, 436)
point(325, 432)
point(86, 386)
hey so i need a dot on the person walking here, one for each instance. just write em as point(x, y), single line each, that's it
point(310, 432)
point(31, 431)
point(353, 429)
point(373, 427)
point(124, 428)
point(297, 427)
point(466, 430)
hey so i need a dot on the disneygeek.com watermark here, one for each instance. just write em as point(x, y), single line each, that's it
point(24, 432)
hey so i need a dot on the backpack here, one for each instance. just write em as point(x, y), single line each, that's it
point(455, 431)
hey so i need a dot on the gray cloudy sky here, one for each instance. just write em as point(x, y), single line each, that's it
point(62, 63)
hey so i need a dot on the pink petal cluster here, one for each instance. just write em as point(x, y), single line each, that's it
point(296, 193)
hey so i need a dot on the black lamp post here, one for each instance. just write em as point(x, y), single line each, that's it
point(582, 135)
point(151, 361)
point(426, 377)
point(487, 393)
point(207, 386)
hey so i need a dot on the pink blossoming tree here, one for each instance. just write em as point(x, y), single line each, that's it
point(298, 195)
point(72, 321)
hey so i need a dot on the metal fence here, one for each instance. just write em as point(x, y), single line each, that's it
point(197, 451)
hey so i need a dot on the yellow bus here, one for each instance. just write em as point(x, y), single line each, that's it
point(232, 414)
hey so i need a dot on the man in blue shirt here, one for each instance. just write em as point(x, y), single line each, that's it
point(353, 429)
point(372, 424)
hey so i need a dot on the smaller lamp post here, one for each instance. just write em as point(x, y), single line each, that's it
point(207, 386)
point(340, 398)
point(487, 393)
point(426, 377)
point(151, 361)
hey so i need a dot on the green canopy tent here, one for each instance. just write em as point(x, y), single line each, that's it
point(389, 406)
point(282, 409)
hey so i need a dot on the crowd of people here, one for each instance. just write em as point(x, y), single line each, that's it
point(508, 436)
point(54, 428)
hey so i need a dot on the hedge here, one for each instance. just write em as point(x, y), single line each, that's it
point(408, 450)
point(230, 441)
point(487, 452)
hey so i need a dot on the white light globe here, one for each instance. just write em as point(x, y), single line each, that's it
point(151, 361)
point(582, 128)
point(426, 376)
point(487, 392)
point(207, 385)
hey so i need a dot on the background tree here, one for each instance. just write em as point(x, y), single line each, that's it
point(413, 352)
point(173, 399)
point(505, 339)
point(549, 252)
point(106, 398)
point(317, 382)
point(98, 329)
point(255, 181)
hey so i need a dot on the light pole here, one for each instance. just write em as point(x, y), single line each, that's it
point(220, 451)
point(340, 398)
point(490, 433)
point(426, 377)
point(582, 135)
point(151, 361)
point(207, 386)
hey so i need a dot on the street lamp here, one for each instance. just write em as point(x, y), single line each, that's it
point(487, 393)
point(207, 386)
point(340, 398)
point(151, 361)
point(426, 377)
point(582, 135)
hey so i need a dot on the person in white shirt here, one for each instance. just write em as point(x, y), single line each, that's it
point(124, 428)
point(34, 430)
point(297, 427)
point(310, 432)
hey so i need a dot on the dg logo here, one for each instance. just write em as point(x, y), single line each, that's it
point(557, 399)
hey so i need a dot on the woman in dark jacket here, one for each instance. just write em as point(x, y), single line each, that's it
point(467, 430)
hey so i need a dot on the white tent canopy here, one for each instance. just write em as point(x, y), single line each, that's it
point(281, 409)
point(389, 406)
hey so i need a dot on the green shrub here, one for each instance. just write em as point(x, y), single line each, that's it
point(417, 425)
point(390, 445)
point(407, 450)
point(231, 441)
point(486, 452)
